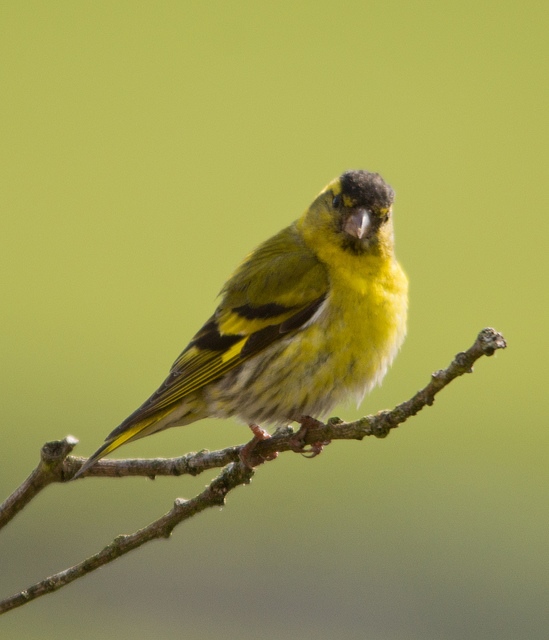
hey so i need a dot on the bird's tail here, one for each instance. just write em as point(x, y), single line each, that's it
point(152, 424)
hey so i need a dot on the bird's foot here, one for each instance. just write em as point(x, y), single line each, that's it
point(247, 456)
point(297, 443)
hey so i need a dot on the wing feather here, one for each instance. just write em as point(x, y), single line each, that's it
point(276, 291)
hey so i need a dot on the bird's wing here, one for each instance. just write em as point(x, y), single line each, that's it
point(275, 291)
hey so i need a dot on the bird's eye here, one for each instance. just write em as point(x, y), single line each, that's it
point(336, 202)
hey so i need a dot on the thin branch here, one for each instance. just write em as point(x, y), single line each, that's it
point(56, 465)
point(487, 343)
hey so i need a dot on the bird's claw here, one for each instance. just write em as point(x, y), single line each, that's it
point(246, 454)
point(297, 443)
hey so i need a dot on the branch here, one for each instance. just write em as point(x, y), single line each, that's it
point(56, 465)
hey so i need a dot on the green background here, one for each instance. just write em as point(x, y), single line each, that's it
point(145, 148)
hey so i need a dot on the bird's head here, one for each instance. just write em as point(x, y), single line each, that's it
point(354, 211)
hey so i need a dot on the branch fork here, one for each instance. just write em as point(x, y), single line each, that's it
point(58, 465)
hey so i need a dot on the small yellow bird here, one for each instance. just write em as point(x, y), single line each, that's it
point(315, 314)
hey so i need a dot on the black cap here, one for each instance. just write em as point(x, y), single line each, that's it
point(367, 189)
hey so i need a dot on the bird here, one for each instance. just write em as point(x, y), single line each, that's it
point(312, 317)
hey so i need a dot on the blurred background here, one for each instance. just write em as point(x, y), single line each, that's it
point(146, 148)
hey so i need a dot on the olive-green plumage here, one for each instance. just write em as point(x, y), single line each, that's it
point(315, 314)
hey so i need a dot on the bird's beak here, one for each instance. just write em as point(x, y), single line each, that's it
point(358, 223)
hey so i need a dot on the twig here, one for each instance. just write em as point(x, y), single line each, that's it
point(56, 465)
